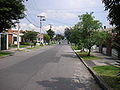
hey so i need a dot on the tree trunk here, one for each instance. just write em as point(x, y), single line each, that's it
point(109, 48)
point(89, 51)
point(119, 54)
point(100, 48)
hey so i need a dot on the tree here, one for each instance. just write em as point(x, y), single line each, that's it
point(87, 27)
point(103, 38)
point(67, 33)
point(51, 34)
point(30, 36)
point(75, 37)
point(10, 12)
point(46, 38)
point(113, 6)
point(59, 37)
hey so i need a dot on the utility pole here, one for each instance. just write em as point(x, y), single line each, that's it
point(50, 26)
point(18, 36)
point(42, 18)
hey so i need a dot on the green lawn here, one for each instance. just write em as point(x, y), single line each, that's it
point(109, 75)
point(21, 46)
point(85, 57)
point(4, 53)
point(75, 47)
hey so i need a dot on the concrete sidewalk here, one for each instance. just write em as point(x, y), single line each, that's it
point(104, 60)
point(14, 51)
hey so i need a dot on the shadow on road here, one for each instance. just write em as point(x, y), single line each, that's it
point(63, 84)
point(69, 55)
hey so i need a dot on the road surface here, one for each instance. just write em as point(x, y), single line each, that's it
point(48, 68)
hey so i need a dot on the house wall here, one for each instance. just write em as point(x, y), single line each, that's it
point(10, 39)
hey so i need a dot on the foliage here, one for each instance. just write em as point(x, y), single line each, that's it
point(75, 37)
point(67, 33)
point(102, 37)
point(46, 38)
point(87, 27)
point(59, 37)
point(51, 33)
point(4, 53)
point(113, 6)
point(30, 36)
point(10, 12)
point(86, 57)
point(109, 75)
point(83, 34)
point(75, 47)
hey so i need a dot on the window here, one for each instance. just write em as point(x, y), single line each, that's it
point(15, 38)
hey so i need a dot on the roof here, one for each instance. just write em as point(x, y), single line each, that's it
point(40, 35)
point(10, 31)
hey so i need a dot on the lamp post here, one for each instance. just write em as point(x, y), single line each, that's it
point(42, 18)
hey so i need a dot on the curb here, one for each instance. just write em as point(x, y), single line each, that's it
point(98, 79)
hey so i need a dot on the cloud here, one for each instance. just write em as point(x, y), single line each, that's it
point(84, 3)
point(53, 14)
point(42, 14)
point(57, 29)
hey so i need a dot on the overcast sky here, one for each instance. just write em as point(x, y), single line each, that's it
point(61, 13)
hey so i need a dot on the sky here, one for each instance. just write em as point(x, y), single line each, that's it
point(60, 13)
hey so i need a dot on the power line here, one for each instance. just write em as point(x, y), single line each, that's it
point(30, 22)
point(34, 24)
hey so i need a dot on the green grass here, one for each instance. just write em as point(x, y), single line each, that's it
point(109, 75)
point(21, 46)
point(4, 53)
point(86, 57)
point(74, 47)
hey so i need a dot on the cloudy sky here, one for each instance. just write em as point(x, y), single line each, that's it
point(61, 13)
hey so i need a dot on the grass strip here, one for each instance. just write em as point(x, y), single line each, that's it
point(109, 75)
point(86, 57)
point(4, 53)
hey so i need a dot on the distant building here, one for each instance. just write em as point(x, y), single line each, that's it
point(109, 30)
point(12, 36)
point(40, 38)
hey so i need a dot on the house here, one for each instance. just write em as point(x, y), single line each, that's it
point(109, 47)
point(12, 36)
point(40, 38)
point(109, 30)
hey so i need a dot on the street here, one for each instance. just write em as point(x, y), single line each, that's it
point(48, 68)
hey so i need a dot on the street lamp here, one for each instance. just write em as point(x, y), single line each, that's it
point(42, 18)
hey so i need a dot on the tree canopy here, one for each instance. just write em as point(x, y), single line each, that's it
point(10, 12)
point(46, 38)
point(67, 33)
point(51, 33)
point(88, 25)
point(59, 37)
point(83, 33)
point(30, 36)
point(113, 6)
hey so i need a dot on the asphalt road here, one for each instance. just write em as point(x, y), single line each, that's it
point(48, 68)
